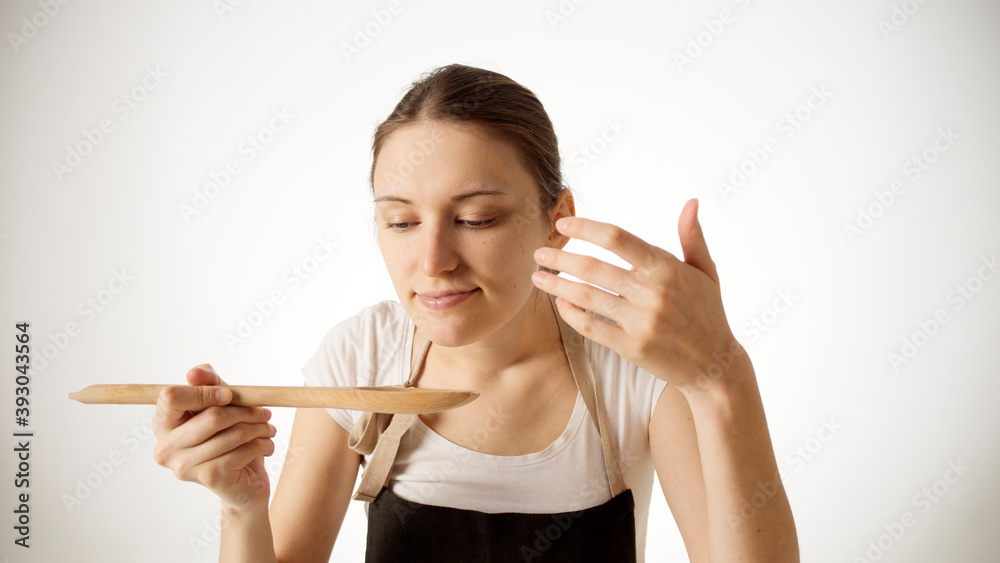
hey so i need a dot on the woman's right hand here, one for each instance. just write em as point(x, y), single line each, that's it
point(221, 447)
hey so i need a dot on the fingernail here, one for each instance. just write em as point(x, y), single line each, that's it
point(222, 395)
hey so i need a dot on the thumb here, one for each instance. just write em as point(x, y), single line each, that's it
point(693, 241)
point(205, 374)
point(205, 389)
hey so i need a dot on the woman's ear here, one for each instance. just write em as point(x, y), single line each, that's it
point(564, 207)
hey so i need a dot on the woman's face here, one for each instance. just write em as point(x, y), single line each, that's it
point(458, 212)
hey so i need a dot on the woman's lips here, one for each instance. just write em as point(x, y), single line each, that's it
point(445, 301)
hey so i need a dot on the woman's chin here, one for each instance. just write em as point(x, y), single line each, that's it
point(450, 334)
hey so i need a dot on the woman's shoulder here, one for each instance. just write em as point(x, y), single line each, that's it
point(607, 363)
point(365, 345)
point(379, 319)
point(625, 385)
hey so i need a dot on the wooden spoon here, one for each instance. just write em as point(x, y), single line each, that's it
point(409, 400)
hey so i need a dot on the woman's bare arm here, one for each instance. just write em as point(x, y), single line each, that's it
point(246, 535)
point(314, 489)
point(674, 444)
point(719, 435)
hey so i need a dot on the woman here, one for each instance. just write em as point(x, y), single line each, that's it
point(583, 391)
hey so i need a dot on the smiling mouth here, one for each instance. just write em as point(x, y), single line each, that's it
point(444, 299)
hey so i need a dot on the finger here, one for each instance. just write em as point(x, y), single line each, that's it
point(221, 470)
point(629, 247)
point(693, 241)
point(204, 374)
point(589, 326)
point(586, 268)
point(581, 295)
point(213, 421)
point(227, 440)
point(175, 401)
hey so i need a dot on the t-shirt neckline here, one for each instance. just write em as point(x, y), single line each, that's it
point(480, 458)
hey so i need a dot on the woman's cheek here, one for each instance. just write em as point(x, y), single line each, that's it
point(512, 256)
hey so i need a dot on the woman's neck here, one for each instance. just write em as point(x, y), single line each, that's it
point(532, 335)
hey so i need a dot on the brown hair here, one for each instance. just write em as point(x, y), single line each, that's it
point(494, 105)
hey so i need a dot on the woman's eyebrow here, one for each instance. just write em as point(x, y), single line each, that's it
point(472, 193)
point(458, 197)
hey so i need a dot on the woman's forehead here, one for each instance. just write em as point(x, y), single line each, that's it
point(435, 143)
point(445, 162)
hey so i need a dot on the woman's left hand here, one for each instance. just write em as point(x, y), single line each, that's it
point(669, 312)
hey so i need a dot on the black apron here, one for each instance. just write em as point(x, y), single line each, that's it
point(401, 530)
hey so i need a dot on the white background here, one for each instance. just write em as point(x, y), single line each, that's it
point(824, 361)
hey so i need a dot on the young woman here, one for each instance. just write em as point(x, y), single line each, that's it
point(584, 391)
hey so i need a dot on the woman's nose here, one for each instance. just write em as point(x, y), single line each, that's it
point(438, 253)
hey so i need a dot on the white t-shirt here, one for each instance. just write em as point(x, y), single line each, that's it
point(373, 348)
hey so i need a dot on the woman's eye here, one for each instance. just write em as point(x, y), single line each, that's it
point(479, 224)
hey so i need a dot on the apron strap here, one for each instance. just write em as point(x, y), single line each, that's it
point(365, 440)
point(579, 363)
point(376, 474)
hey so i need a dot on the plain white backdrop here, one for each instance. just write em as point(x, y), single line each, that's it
point(867, 133)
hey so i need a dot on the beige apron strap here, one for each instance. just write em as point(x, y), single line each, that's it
point(365, 439)
point(364, 434)
point(377, 473)
point(579, 363)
